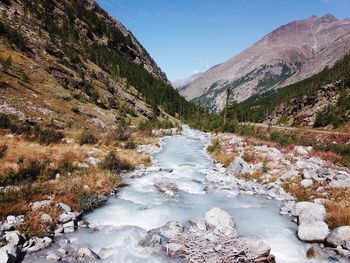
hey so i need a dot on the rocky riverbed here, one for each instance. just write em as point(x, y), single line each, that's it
point(186, 208)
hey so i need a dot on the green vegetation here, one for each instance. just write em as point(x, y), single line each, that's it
point(256, 108)
point(87, 137)
point(113, 164)
point(13, 36)
point(30, 132)
point(335, 115)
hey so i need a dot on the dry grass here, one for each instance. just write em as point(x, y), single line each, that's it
point(256, 176)
point(337, 214)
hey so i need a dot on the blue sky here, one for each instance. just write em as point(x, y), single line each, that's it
point(187, 36)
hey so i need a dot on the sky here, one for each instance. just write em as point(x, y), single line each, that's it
point(189, 36)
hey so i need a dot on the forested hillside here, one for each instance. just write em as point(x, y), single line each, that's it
point(259, 108)
point(81, 64)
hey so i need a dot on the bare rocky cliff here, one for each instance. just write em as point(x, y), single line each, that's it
point(287, 55)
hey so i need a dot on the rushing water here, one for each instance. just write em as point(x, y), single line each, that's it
point(138, 207)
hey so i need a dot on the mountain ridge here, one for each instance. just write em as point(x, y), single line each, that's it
point(288, 54)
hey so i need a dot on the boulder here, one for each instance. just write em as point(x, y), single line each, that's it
point(171, 229)
point(65, 207)
point(346, 244)
point(274, 154)
point(86, 254)
point(315, 232)
point(69, 227)
point(14, 238)
point(289, 174)
point(9, 253)
point(306, 183)
point(41, 204)
point(216, 217)
point(338, 236)
point(315, 213)
point(151, 240)
point(66, 217)
point(315, 252)
point(46, 218)
point(258, 247)
point(300, 151)
point(303, 206)
point(238, 166)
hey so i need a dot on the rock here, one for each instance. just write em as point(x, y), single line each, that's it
point(86, 254)
point(11, 219)
point(258, 247)
point(197, 224)
point(338, 236)
point(14, 238)
point(339, 183)
point(315, 213)
point(289, 174)
point(46, 218)
point(218, 217)
point(274, 154)
point(172, 248)
point(238, 166)
point(66, 217)
point(151, 240)
point(9, 253)
point(41, 204)
point(300, 151)
point(171, 229)
point(343, 252)
point(93, 160)
point(306, 183)
point(315, 252)
point(315, 232)
point(69, 227)
point(65, 207)
point(53, 256)
point(303, 206)
point(346, 245)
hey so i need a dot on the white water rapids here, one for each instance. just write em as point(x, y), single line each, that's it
point(139, 206)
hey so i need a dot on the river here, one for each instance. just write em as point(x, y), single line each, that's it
point(139, 206)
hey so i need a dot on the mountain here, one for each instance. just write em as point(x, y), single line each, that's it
point(179, 84)
point(287, 55)
point(71, 63)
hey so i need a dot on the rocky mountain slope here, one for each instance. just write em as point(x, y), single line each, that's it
point(287, 55)
point(179, 84)
point(70, 62)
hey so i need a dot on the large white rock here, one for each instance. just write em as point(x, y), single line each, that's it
point(216, 217)
point(313, 232)
point(315, 213)
point(46, 218)
point(258, 247)
point(338, 236)
point(238, 166)
point(306, 183)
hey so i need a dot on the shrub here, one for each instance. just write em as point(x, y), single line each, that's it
point(3, 150)
point(130, 145)
point(87, 138)
point(48, 136)
point(114, 164)
point(28, 171)
point(117, 135)
point(215, 146)
point(4, 121)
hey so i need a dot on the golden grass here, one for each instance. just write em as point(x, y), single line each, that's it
point(337, 214)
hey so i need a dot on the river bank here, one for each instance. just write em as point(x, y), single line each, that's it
point(315, 192)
